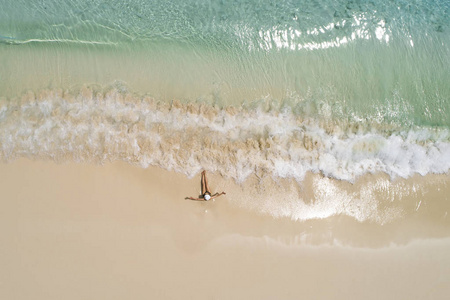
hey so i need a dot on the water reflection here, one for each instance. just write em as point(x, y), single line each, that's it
point(362, 27)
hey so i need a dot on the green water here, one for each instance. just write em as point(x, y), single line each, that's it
point(386, 61)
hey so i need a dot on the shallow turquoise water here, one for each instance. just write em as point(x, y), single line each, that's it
point(358, 57)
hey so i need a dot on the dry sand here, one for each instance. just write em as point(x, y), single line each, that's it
point(77, 231)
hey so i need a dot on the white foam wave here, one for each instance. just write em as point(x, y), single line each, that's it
point(235, 142)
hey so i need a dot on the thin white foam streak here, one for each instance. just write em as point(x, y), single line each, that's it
point(14, 41)
point(188, 137)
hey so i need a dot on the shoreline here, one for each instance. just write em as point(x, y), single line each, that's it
point(89, 231)
point(373, 203)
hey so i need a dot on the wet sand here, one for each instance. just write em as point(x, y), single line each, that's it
point(78, 231)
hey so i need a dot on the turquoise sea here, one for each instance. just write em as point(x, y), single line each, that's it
point(273, 89)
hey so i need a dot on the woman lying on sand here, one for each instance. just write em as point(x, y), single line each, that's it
point(206, 195)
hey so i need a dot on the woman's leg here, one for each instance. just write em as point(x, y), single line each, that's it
point(206, 183)
point(204, 187)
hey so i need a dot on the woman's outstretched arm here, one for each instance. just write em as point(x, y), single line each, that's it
point(196, 199)
point(217, 195)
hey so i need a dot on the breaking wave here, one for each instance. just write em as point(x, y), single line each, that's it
point(259, 138)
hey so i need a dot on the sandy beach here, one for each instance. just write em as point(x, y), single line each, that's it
point(117, 231)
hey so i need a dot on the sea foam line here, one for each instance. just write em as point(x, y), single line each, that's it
point(236, 142)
